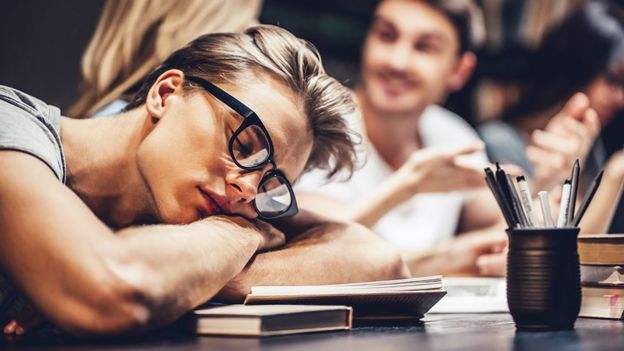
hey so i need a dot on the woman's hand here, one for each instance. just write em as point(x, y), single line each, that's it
point(270, 237)
point(568, 136)
point(27, 320)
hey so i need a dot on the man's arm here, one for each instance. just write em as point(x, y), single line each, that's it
point(87, 280)
point(429, 170)
point(322, 252)
point(457, 257)
point(480, 211)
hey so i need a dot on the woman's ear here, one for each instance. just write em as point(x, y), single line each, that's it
point(167, 83)
point(466, 65)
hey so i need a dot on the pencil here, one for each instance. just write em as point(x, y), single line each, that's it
point(516, 202)
point(588, 198)
point(574, 182)
point(501, 179)
point(491, 182)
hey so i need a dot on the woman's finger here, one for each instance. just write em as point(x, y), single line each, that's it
point(555, 143)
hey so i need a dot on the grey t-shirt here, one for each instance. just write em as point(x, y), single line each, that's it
point(27, 125)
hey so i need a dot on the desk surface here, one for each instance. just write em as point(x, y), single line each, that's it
point(439, 332)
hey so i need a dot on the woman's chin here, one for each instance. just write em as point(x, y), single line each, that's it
point(180, 216)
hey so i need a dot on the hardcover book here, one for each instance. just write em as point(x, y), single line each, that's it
point(601, 249)
point(268, 320)
point(603, 302)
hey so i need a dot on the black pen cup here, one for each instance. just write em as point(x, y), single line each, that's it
point(543, 279)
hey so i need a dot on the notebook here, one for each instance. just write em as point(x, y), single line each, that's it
point(268, 320)
point(390, 299)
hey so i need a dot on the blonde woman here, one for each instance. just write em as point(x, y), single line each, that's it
point(122, 224)
point(133, 37)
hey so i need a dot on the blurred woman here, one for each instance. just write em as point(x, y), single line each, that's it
point(133, 37)
point(584, 53)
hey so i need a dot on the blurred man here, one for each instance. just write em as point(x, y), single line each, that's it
point(411, 189)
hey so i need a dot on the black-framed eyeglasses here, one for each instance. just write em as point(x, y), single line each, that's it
point(251, 149)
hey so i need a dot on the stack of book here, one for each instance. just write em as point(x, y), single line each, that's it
point(602, 275)
point(280, 310)
point(389, 299)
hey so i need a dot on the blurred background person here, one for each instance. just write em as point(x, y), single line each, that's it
point(411, 188)
point(585, 52)
point(133, 37)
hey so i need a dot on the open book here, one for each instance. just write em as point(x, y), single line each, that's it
point(389, 299)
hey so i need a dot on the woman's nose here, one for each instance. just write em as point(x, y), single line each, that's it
point(243, 187)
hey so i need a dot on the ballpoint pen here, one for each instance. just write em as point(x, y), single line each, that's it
point(527, 202)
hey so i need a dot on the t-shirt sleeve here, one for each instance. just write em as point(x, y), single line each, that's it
point(440, 127)
point(505, 145)
point(24, 128)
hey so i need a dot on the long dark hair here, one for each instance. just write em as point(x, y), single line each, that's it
point(587, 44)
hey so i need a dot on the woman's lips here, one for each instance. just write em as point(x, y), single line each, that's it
point(214, 203)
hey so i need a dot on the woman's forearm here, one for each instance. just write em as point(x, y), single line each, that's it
point(327, 254)
point(179, 267)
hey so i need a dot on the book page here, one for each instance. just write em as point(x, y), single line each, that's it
point(473, 295)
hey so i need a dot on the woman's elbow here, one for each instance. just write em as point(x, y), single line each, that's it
point(392, 264)
point(384, 259)
point(113, 309)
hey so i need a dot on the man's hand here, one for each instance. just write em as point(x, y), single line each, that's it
point(457, 257)
point(468, 249)
point(568, 136)
point(438, 169)
point(493, 265)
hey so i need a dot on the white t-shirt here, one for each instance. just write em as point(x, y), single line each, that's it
point(426, 219)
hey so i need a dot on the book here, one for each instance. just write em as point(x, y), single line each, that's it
point(601, 249)
point(390, 299)
point(473, 295)
point(602, 302)
point(268, 320)
point(601, 275)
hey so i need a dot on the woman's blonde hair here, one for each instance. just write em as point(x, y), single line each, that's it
point(261, 51)
point(133, 36)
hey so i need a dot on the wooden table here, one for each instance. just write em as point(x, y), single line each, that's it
point(438, 332)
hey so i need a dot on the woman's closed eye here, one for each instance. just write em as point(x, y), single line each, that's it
point(245, 149)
